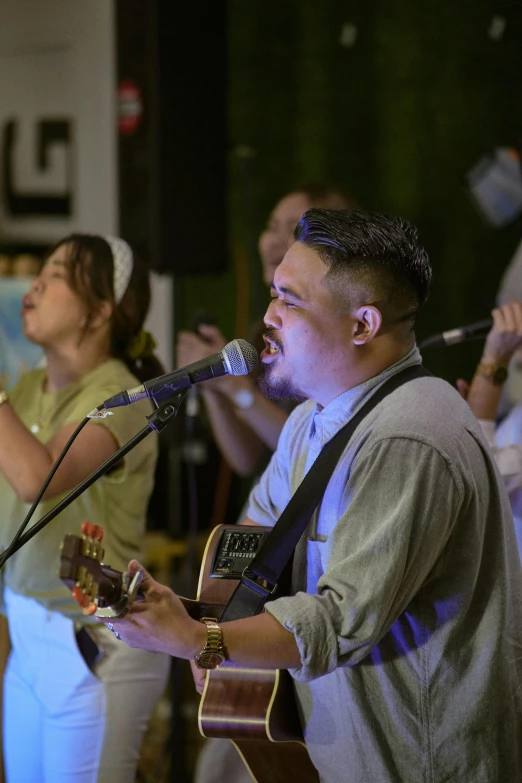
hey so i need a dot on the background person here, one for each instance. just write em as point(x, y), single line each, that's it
point(510, 290)
point(245, 425)
point(76, 701)
point(484, 395)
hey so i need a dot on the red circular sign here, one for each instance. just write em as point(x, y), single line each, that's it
point(130, 107)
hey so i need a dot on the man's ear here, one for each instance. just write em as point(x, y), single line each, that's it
point(368, 322)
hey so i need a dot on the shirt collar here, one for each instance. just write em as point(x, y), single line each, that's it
point(325, 422)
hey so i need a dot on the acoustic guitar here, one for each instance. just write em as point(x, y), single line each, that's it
point(255, 708)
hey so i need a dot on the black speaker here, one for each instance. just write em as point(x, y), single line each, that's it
point(172, 150)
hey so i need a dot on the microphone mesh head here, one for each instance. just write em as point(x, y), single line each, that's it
point(239, 357)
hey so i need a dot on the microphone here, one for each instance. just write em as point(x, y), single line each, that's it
point(237, 358)
point(474, 331)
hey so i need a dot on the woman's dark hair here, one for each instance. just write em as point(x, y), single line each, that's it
point(320, 194)
point(380, 252)
point(91, 275)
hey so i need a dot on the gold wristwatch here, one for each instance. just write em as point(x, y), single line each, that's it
point(493, 372)
point(213, 653)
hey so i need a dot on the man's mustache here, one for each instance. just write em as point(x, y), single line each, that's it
point(269, 334)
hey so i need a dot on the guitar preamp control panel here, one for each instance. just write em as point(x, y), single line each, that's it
point(235, 550)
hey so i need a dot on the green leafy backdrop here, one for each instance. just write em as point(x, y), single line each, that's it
point(392, 101)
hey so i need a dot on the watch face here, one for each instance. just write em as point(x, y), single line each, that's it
point(209, 660)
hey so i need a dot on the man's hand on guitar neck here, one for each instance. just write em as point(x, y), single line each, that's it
point(160, 623)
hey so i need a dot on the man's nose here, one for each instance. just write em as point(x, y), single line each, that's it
point(272, 315)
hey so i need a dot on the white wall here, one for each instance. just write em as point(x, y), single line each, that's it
point(159, 322)
point(58, 62)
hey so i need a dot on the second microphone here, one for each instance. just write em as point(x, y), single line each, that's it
point(475, 331)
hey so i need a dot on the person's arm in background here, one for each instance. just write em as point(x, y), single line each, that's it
point(244, 433)
point(25, 462)
point(504, 338)
point(484, 393)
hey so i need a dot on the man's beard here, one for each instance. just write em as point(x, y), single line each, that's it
point(278, 388)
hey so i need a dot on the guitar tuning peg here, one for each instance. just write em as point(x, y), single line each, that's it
point(98, 532)
point(82, 599)
point(87, 528)
point(91, 530)
point(79, 596)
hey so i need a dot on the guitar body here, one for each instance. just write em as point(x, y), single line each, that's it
point(255, 708)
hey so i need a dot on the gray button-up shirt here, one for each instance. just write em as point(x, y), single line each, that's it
point(407, 613)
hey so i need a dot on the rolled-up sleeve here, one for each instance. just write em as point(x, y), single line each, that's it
point(390, 523)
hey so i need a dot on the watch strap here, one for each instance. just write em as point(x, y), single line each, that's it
point(214, 636)
point(496, 373)
point(213, 647)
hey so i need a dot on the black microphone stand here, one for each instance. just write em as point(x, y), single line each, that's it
point(158, 420)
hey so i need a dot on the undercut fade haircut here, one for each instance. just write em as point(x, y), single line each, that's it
point(371, 256)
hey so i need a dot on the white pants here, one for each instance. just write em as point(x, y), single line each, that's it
point(64, 722)
point(219, 761)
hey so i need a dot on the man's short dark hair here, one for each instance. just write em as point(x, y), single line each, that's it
point(378, 253)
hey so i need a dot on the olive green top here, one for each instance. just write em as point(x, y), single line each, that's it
point(117, 501)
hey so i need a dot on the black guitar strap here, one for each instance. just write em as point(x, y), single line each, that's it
point(260, 579)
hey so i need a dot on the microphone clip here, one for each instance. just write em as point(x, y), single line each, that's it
point(159, 418)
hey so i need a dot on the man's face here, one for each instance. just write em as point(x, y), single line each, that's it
point(309, 347)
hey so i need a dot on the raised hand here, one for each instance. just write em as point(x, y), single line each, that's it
point(194, 346)
point(505, 336)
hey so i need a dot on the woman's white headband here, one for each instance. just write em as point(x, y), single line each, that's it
point(122, 258)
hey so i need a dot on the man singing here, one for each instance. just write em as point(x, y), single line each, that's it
point(404, 631)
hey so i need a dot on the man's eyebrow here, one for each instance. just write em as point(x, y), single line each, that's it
point(285, 290)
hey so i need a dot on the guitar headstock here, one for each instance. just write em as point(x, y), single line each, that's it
point(96, 587)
